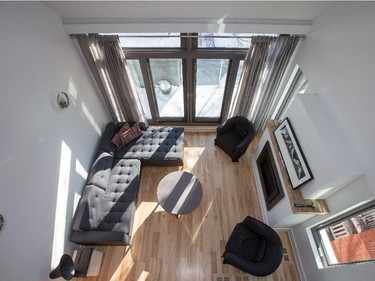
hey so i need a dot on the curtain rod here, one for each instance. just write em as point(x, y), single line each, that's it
point(204, 36)
point(302, 37)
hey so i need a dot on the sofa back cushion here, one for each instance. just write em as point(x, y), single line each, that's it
point(100, 170)
point(105, 140)
point(118, 202)
point(88, 209)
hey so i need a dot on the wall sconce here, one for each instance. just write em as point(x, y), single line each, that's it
point(63, 100)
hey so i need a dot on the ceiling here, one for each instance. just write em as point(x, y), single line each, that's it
point(88, 15)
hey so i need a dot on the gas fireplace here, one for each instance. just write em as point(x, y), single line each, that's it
point(271, 184)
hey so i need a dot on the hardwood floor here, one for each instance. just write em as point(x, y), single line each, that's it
point(189, 248)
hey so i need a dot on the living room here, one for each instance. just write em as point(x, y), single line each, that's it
point(46, 151)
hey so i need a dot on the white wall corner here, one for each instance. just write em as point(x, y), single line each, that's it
point(297, 255)
point(333, 160)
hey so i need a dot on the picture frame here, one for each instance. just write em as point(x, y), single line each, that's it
point(294, 160)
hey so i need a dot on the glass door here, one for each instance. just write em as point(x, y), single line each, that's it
point(168, 87)
point(211, 78)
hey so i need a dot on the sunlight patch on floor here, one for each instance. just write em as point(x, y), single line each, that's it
point(143, 211)
point(202, 222)
point(143, 276)
point(192, 155)
point(120, 273)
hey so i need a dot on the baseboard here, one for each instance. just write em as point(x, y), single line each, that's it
point(200, 129)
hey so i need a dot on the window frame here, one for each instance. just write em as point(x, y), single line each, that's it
point(318, 244)
point(189, 53)
point(292, 89)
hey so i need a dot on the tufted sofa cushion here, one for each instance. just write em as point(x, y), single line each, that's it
point(87, 214)
point(105, 215)
point(118, 203)
point(158, 146)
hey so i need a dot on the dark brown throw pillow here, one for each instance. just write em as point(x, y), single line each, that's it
point(116, 140)
point(134, 132)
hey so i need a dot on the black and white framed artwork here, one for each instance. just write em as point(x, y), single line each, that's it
point(295, 163)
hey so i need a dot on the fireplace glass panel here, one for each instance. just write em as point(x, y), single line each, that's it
point(271, 184)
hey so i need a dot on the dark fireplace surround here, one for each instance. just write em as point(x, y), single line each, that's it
point(269, 177)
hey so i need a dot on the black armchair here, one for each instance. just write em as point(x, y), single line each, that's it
point(254, 247)
point(234, 136)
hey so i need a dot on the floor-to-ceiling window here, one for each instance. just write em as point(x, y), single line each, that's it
point(188, 78)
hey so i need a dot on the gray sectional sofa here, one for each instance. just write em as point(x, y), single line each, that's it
point(105, 213)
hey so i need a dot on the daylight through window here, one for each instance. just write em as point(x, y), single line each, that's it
point(349, 239)
point(187, 77)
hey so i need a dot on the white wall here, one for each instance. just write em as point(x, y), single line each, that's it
point(330, 155)
point(338, 59)
point(188, 16)
point(347, 197)
point(38, 60)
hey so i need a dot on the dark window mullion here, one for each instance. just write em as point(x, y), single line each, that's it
point(184, 41)
point(215, 54)
point(191, 45)
point(183, 53)
point(194, 41)
point(146, 73)
point(193, 83)
point(155, 54)
point(188, 71)
point(229, 87)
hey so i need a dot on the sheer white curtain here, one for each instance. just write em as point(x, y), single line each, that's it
point(108, 65)
point(264, 66)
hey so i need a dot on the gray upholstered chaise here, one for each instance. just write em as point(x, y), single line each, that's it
point(158, 146)
point(105, 213)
